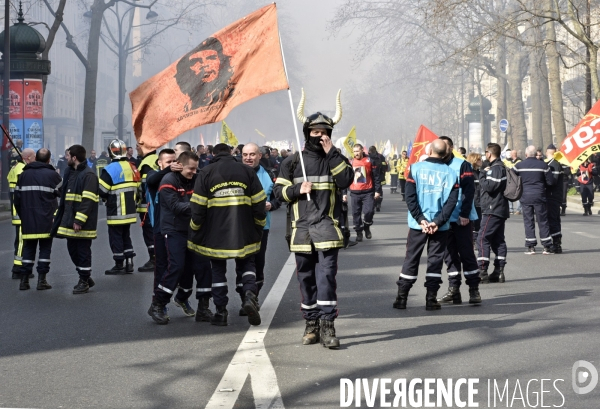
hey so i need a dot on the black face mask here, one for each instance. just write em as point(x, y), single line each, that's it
point(314, 143)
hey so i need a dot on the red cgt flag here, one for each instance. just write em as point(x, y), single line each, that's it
point(424, 138)
point(240, 62)
point(583, 141)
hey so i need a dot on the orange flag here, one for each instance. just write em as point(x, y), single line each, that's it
point(418, 151)
point(583, 141)
point(236, 64)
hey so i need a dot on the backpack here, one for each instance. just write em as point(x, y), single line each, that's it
point(514, 185)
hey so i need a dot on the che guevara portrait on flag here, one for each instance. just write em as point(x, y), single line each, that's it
point(204, 75)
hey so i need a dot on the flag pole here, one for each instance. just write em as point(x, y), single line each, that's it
point(294, 119)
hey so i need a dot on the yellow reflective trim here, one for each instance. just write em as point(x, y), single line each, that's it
point(221, 254)
point(81, 216)
point(20, 246)
point(82, 234)
point(73, 197)
point(339, 168)
point(195, 226)
point(262, 222)
point(302, 248)
point(141, 210)
point(104, 184)
point(125, 185)
point(122, 221)
point(284, 193)
point(329, 244)
point(229, 201)
point(89, 195)
point(199, 200)
point(17, 263)
point(36, 236)
point(123, 204)
point(259, 197)
point(282, 181)
point(323, 186)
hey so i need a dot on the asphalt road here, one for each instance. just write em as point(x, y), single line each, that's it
point(101, 350)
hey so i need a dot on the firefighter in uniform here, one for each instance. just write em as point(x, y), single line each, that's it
point(228, 218)
point(401, 167)
point(567, 175)
point(147, 164)
point(554, 195)
point(35, 202)
point(364, 191)
point(459, 254)
point(394, 174)
point(315, 236)
point(118, 186)
point(381, 167)
point(175, 191)
point(586, 185)
point(431, 196)
point(495, 211)
point(536, 176)
point(77, 216)
point(28, 156)
point(251, 156)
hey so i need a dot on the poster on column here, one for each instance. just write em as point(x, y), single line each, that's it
point(16, 99)
point(33, 96)
point(16, 130)
point(34, 137)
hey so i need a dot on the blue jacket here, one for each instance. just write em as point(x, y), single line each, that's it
point(466, 192)
point(266, 180)
point(431, 193)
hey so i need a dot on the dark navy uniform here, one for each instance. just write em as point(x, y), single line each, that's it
point(554, 197)
point(536, 175)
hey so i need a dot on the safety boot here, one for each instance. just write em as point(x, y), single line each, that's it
point(129, 266)
point(250, 305)
point(563, 212)
point(359, 236)
point(148, 267)
point(431, 303)
point(82, 286)
point(42, 283)
point(453, 295)
point(24, 285)
point(311, 332)
point(158, 312)
point(401, 299)
point(367, 229)
point(483, 274)
point(327, 334)
point(474, 296)
point(495, 276)
point(118, 269)
point(203, 313)
point(220, 317)
point(501, 277)
point(90, 282)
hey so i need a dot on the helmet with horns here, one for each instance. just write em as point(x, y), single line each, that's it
point(319, 120)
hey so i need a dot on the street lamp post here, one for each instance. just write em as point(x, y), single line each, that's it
point(122, 42)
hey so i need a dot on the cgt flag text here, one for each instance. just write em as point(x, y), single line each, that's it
point(582, 141)
point(236, 64)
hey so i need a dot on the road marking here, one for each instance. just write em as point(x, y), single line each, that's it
point(252, 359)
point(591, 236)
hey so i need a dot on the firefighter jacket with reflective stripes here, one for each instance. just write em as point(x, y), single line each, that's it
point(466, 193)
point(366, 178)
point(315, 222)
point(13, 176)
point(393, 166)
point(555, 191)
point(35, 199)
point(401, 167)
point(535, 175)
point(78, 204)
point(492, 183)
point(174, 195)
point(147, 164)
point(431, 193)
point(118, 185)
point(228, 210)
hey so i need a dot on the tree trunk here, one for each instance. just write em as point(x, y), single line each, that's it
point(558, 114)
point(501, 85)
point(536, 103)
point(58, 18)
point(545, 101)
point(517, 110)
point(594, 73)
point(91, 76)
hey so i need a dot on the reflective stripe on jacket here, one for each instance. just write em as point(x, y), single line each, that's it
point(12, 178)
point(118, 185)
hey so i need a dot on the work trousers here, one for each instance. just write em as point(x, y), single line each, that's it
point(393, 182)
point(219, 278)
point(316, 274)
point(491, 238)
point(587, 194)
point(119, 237)
point(29, 249)
point(148, 234)
point(18, 255)
point(402, 187)
point(565, 191)
point(476, 225)
point(553, 211)
point(182, 266)
point(259, 263)
point(80, 251)
point(460, 256)
point(161, 259)
point(415, 243)
point(362, 203)
point(530, 213)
